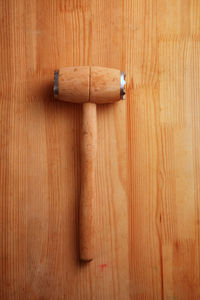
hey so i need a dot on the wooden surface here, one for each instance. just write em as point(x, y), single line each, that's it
point(147, 215)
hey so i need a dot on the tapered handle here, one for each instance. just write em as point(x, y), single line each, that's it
point(87, 196)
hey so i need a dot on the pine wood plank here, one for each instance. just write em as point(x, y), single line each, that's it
point(147, 213)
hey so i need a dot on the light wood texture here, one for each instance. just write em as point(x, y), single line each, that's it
point(105, 85)
point(88, 170)
point(80, 84)
point(74, 84)
point(148, 154)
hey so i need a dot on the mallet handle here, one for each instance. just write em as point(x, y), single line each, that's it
point(88, 165)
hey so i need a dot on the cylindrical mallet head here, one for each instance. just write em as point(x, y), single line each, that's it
point(89, 84)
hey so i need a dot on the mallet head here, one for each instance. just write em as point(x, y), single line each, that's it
point(89, 84)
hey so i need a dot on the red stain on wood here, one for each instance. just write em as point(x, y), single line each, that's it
point(103, 266)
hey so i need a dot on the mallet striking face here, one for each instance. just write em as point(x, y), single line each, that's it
point(89, 86)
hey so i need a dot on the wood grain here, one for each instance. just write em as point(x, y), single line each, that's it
point(104, 85)
point(73, 84)
point(147, 215)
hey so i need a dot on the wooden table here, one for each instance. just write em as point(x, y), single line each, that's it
point(148, 166)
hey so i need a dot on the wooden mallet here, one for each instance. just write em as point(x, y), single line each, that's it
point(89, 86)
